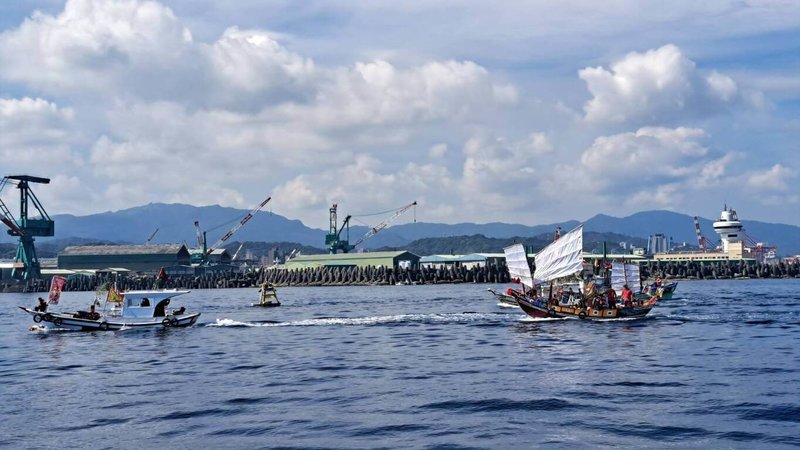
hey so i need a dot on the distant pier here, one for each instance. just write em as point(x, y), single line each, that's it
point(383, 276)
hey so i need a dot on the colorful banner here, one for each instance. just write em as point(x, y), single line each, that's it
point(114, 296)
point(56, 286)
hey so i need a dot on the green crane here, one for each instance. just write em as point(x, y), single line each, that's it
point(26, 264)
point(334, 239)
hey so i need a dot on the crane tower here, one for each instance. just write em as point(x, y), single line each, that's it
point(26, 264)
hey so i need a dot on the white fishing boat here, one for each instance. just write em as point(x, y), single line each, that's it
point(131, 309)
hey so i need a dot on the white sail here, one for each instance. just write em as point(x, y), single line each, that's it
point(517, 262)
point(561, 258)
point(622, 274)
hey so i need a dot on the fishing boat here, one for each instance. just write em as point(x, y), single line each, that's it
point(562, 262)
point(131, 309)
point(662, 291)
point(268, 296)
point(505, 299)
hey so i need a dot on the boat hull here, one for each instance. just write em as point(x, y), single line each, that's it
point(69, 321)
point(266, 305)
point(539, 309)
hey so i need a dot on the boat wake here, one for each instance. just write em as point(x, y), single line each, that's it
point(366, 321)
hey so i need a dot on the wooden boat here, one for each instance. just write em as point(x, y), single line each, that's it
point(506, 299)
point(137, 309)
point(562, 261)
point(268, 296)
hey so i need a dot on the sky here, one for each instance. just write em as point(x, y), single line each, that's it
point(522, 111)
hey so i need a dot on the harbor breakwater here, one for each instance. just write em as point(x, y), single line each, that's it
point(355, 276)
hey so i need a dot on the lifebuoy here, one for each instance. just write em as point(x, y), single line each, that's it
point(37, 318)
point(165, 322)
point(57, 322)
point(48, 317)
point(582, 315)
point(551, 312)
point(173, 322)
point(104, 326)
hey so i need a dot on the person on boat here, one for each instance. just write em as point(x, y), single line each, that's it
point(658, 282)
point(627, 295)
point(42, 306)
point(145, 302)
point(611, 295)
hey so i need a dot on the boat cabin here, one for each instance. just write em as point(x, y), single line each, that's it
point(148, 303)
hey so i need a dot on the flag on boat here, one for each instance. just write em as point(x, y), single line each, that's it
point(162, 274)
point(56, 286)
point(114, 296)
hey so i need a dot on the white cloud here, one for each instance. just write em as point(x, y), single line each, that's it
point(656, 85)
point(94, 44)
point(776, 178)
point(36, 132)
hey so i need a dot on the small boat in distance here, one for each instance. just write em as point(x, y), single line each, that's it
point(132, 309)
point(268, 296)
point(505, 299)
point(561, 261)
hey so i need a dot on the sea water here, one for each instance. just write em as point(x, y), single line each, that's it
point(444, 366)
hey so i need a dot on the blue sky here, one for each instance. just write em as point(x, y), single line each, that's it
point(527, 112)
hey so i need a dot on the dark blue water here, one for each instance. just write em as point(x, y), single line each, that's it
point(412, 367)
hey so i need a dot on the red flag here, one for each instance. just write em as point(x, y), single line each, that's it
point(162, 275)
point(56, 286)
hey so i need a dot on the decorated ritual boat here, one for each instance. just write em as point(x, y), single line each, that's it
point(131, 309)
point(268, 296)
point(562, 262)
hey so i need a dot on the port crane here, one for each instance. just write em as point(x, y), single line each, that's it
point(201, 236)
point(26, 264)
point(334, 241)
point(701, 240)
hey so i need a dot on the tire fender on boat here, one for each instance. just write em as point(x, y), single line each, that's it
point(173, 322)
point(37, 318)
point(551, 312)
point(165, 322)
point(48, 317)
point(57, 321)
point(104, 326)
point(582, 314)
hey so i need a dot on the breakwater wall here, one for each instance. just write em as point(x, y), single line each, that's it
point(355, 276)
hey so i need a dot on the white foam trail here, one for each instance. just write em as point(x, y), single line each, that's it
point(506, 305)
point(375, 320)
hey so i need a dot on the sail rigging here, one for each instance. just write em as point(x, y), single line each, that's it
point(517, 262)
point(561, 258)
point(622, 274)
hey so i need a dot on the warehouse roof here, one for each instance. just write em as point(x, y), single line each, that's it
point(362, 255)
point(162, 249)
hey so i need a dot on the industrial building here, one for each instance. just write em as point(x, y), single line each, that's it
point(468, 261)
point(375, 259)
point(137, 258)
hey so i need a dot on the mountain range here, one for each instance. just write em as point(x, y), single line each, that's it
point(175, 224)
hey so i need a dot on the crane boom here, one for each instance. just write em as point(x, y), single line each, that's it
point(199, 233)
point(151, 237)
point(701, 241)
point(383, 225)
point(233, 258)
point(236, 227)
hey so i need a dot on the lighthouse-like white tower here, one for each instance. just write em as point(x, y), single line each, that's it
point(730, 229)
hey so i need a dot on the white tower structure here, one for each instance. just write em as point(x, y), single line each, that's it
point(729, 228)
